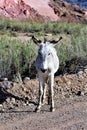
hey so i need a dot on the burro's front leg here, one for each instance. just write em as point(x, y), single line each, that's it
point(51, 92)
point(41, 85)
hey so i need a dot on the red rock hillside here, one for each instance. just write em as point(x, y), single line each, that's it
point(18, 9)
point(69, 12)
point(40, 10)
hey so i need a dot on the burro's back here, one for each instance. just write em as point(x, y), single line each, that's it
point(47, 63)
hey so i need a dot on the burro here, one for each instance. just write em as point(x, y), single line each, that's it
point(47, 64)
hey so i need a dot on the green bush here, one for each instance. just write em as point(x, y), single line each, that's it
point(15, 56)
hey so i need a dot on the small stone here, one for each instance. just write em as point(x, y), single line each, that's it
point(11, 106)
point(5, 79)
point(48, 34)
point(24, 104)
point(24, 89)
point(67, 95)
point(27, 102)
point(8, 100)
point(82, 93)
point(85, 90)
point(1, 105)
point(13, 100)
point(68, 83)
point(80, 72)
point(85, 70)
point(26, 79)
point(6, 84)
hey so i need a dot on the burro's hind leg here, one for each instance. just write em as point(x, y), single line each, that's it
point(51, 92)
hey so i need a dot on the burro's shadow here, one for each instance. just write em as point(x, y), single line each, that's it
point(4, 94)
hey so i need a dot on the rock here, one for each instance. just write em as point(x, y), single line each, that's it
point(24, 89)
point(27, 102)
point(5, 79)
point(11, 106)
point(82, 93)
point(67, 95)
point(26, 79)
point(85, 89)
point(6, 84)
point(8, 100)
point(68, 12)
point(24, 104)
point(13, 100)
point(48, 35)
point(18, 9)
point(1, 105)
point(80, 72)
point(50, 10)
point(69, 83)
point(85, 70)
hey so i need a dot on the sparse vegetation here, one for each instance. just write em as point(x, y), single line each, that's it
point(17, 56)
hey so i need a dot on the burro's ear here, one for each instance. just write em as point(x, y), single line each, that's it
point(36, 41)
point(55, 41)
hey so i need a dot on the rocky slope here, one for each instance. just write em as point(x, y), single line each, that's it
point(52, 10)
point(18, 9)
point(69, 12)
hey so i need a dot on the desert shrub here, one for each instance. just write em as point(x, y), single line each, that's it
point(18, 57)
point(73, 47)
point(15, 56)
point(45, 27)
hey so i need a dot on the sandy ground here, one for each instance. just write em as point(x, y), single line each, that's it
point(18, 103)
point(70, 114)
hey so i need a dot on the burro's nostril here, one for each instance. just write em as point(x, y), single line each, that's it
point(43, 70)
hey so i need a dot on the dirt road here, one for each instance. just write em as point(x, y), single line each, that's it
point(17, 105)
point(70, 114)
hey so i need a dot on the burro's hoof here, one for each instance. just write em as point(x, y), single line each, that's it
point(52, 109)
point(37, 110)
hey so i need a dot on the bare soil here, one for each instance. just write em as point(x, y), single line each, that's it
point(70, 114)
point(17, 105)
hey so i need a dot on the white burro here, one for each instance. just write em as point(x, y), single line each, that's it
point(47, 64)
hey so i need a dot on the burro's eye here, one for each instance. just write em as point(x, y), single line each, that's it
point(49, 54)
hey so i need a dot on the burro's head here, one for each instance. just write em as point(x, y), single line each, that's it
point(47, 60)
